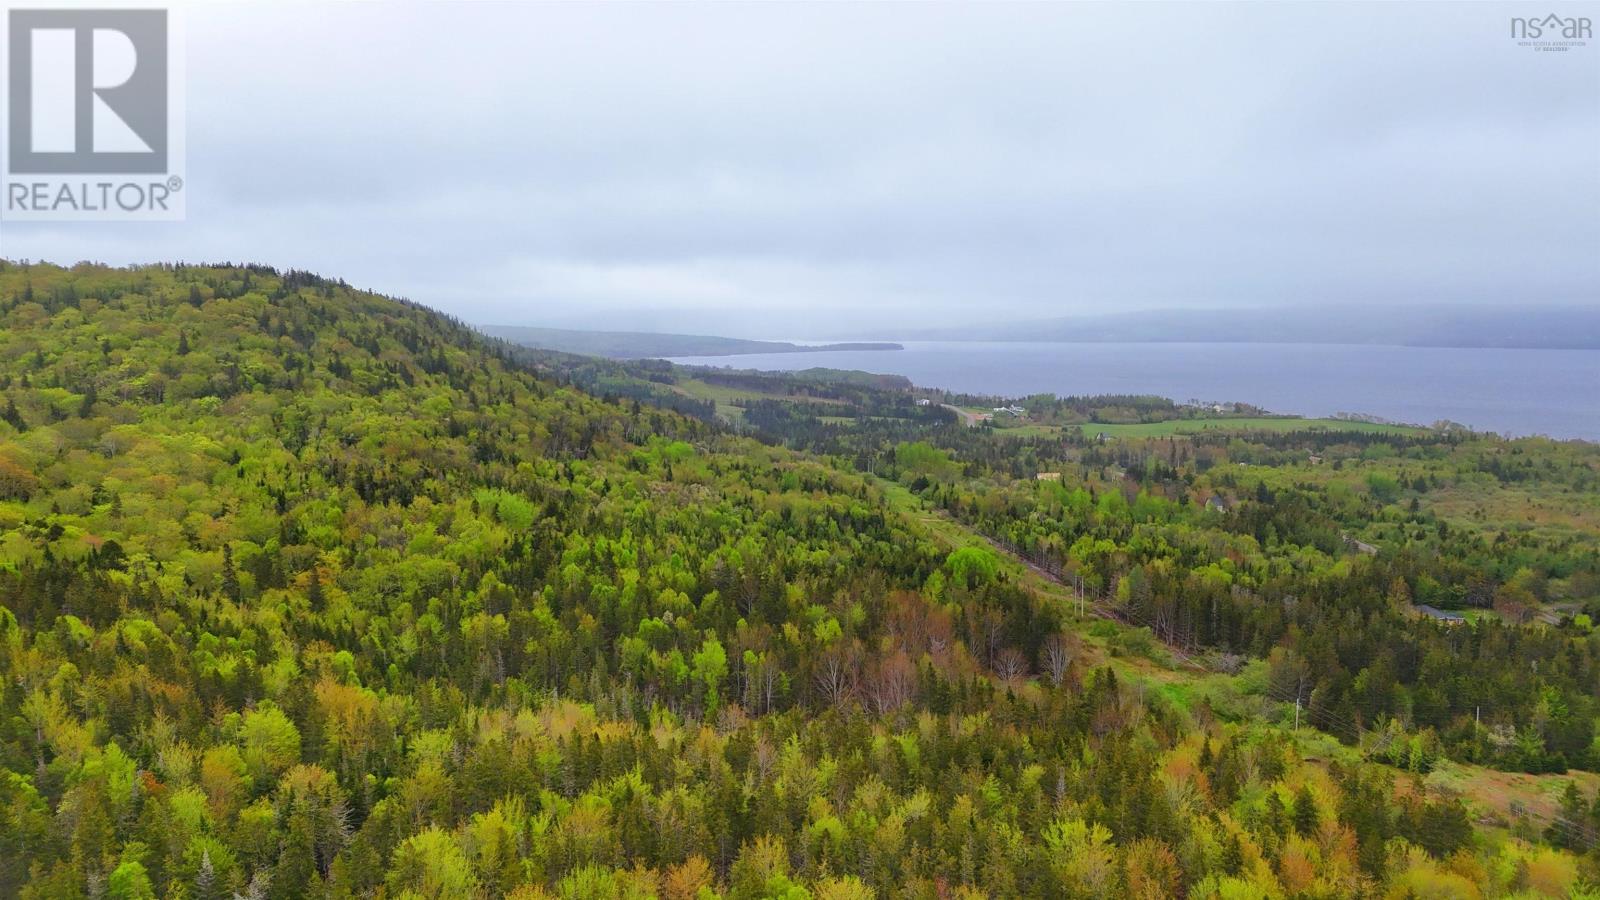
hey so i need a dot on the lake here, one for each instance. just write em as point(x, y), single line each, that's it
point(1517, 392)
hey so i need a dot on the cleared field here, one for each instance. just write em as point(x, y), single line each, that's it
point(1243, 423)
point(1505, 794)
point(702, 390)
point(1491, 508)
point(1029, 431)
point(726, 398)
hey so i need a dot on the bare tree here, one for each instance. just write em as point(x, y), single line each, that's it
point(893, 683)
point(907, 620)
point(837, 672)
point(1010, 664)
point(1057, 655)
point(941, 632)
point(765, 757)
point(986, 628)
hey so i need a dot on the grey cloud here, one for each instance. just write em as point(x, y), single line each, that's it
point(796, 169)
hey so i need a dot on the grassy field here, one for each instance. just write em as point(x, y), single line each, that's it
point(1490, 508)
point(726, 397)
point(1495, 792)
point(1029, 431)
point(1244, 423)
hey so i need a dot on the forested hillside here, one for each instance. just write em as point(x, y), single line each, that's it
point(1276, 571)
point(310, 592)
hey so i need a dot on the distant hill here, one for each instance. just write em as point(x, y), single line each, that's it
point(1511, 326)
point(645, 345)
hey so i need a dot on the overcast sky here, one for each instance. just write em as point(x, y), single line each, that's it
point(820, 170)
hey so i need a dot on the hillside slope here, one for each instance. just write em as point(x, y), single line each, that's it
point(309, 592)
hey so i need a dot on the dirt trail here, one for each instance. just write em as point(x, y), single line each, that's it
point(971, 418)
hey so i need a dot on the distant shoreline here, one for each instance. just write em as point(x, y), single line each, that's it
point(1464, 327)
point(816, 348)
point(1579, 344)
point(1523, 391)
point(650, 345)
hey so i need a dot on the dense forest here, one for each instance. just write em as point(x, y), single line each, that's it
point(308, 592)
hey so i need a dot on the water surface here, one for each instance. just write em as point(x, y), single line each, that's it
point(1518, 392)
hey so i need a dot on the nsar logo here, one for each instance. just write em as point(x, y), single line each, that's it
point(1552, 32)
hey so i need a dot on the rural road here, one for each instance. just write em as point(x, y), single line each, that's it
point(968, 417)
